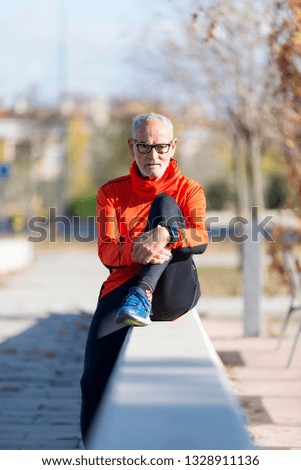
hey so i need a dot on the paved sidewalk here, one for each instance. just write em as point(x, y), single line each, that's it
point(270, 393)
point(45, 313)
point(44, 316)
point(39, 388)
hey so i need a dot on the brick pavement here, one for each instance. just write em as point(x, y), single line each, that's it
point(270, 393)
point(40, 373)
point(45, 312)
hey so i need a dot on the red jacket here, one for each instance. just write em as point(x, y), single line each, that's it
point(123, 205)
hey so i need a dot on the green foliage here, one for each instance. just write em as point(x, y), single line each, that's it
point(109, 151)
point(277, 192)
point(218, 195)
point(82, 206)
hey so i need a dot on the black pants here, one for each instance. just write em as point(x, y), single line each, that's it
point(176, 291)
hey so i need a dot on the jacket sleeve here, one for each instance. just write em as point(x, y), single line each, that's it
point(195, 235)
point(112, 253)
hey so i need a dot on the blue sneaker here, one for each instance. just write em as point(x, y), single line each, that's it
point(135, 310)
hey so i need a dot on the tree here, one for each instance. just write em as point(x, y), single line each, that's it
point(286, 47)
point(285, 42)
point(218, 56)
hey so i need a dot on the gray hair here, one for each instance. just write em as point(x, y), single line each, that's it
point(138, 120)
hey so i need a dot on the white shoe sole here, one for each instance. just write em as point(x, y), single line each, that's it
point(130, 320)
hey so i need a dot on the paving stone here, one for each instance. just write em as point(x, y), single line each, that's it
point(284, 410)
point(277, 437)
point(269, 389)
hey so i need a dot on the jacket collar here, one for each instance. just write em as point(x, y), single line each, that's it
point(147, 189)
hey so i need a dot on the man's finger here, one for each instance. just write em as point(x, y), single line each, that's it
point(165, 251)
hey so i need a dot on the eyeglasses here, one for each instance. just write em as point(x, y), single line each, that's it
point(144, 148)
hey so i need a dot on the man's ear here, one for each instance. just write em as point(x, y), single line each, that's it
point(131, 147)
point(173, 145)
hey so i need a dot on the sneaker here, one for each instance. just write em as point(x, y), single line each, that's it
point(135, 310)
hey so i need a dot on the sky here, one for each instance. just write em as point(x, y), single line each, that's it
point(54, 46)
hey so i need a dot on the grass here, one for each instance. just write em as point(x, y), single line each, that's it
point(224, 281)
point(220, 281)
point(227, 282)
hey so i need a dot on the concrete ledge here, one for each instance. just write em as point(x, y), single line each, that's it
point(169, 391)
point(15, 255)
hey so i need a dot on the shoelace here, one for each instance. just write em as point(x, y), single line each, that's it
point(135, 298)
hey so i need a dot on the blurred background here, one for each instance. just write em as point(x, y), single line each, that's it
point(73, 74)
point(228, 74)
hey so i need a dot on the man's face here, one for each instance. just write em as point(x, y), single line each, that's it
point(153, 164)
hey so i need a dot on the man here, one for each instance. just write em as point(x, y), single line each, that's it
point(149, 225)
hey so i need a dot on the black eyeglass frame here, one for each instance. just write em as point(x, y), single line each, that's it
point(152, 146)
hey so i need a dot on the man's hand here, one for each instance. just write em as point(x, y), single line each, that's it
point(151, 246)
